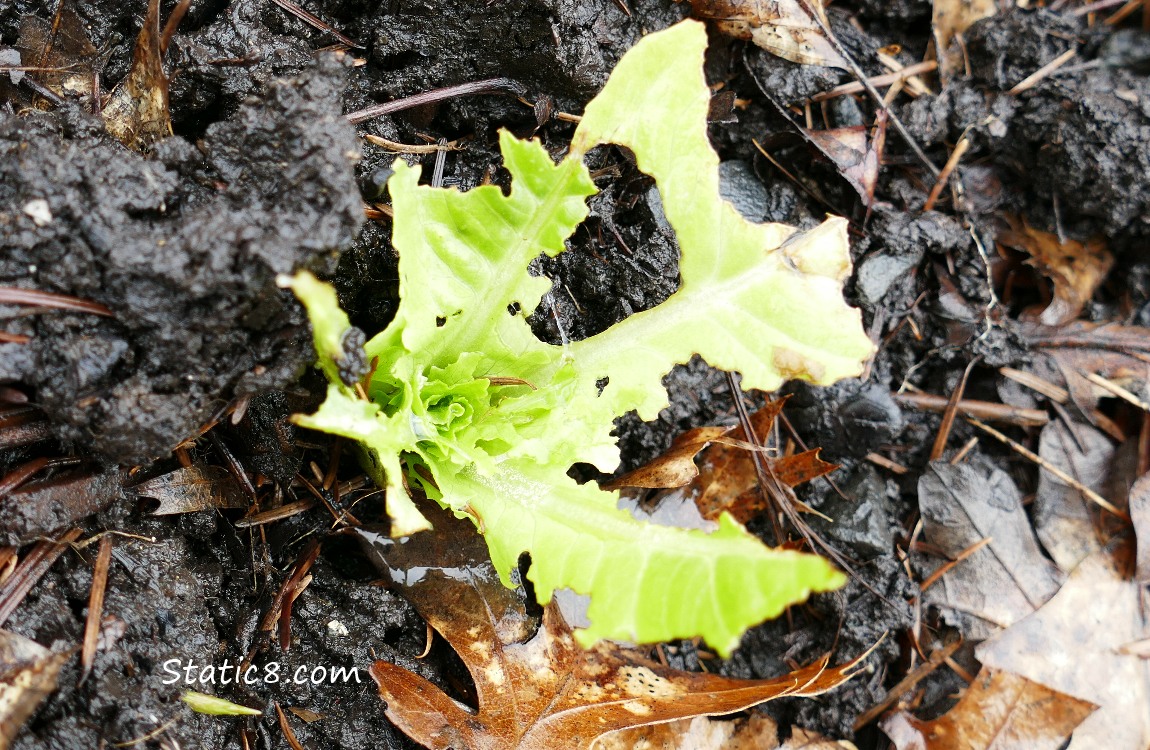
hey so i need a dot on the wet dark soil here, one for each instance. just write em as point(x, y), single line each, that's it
point(264, 176)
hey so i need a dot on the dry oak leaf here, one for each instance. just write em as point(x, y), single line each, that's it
point(785, 28)
point(950, 19)
point(999, 711)
point(539, 691)
point(1074, 268)
point(1078, 644)
point(724, 479)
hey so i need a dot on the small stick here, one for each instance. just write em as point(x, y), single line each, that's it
point(960, 148)
point(276, 514)
point(289, 735)
point(949, 565)
point(173, 23)
point(1088, 493)
point(403, 148)
point(1122, 13)
point(907, 684)
point(1034, 78)
point(1117, 390)
point(913, 84)
point(886, 463)
point(486, 86)
point(980, 409)
point(886, 79)
point(963, 451)
point(95, 607)
point(31, 570)
point(1089, 8)
point(948, 415)
point(311, 20)
point(13, 296)
point(1033, 382)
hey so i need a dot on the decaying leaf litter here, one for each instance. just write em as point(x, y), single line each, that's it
point(937, 288)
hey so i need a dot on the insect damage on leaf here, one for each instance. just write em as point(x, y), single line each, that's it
point(469, 407)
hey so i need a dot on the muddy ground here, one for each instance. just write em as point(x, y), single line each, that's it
point(263, 176)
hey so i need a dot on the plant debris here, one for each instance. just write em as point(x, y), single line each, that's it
point(538, 689)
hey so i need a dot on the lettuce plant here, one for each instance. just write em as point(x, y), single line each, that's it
point(467, 405)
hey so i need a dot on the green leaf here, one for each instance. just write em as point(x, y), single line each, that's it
point(209, 704)
point(467, 404)
point(757, 298)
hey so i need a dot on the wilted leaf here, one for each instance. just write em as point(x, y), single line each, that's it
point(1074, 268)
point(68, 61)
point(1004, 581)
point(856, 156)
point(1139, 500)
point(541, 690)
point(1066, 521)
point(727, 480)
point(193, 488)
point(28, 673)
point(999, 711)
point(1074, 645)
point(950, 19)
point(676, 467)
point(1116, 352)
point(136, 113)
point(782, 27)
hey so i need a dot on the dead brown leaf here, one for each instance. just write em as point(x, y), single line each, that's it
point(66, 61)
point(136, 112)
point(950, 19)
point(856, 155)
point(539, 690)
point(727, 479)
point(676, 467)
point(999, 711)
point(782, 27)
point(193, 488)
point(28, 673)
point(1139, 500)
point(1004, 581)
point(1075, 269)
point(724, 479)
point(1067, 523)
point(1074, 645)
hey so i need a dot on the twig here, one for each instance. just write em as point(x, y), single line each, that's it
point(967, 447)
point(960, 148)
point(886, 79)
point(486, 86)
point(870, 89)
point(404, 148)
point(886, 463)
point(276, 514)
point(13, 296)
point(1117, 390)
point(289, 735)
point(980, 409)
point(31, 570)
point(95, 607)
point(311, 20)
point(946, 567)
point(1053, 392)
point(948, 414)
point(907, 683)
point(1031, 80)
point(1088, 493)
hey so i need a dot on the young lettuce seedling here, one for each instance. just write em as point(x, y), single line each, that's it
point(469, 406)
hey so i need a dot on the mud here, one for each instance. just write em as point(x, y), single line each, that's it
point(263, 177)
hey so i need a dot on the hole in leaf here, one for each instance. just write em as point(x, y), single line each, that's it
point(440, 321)
point(514, 309)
